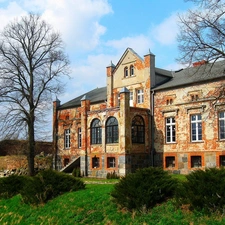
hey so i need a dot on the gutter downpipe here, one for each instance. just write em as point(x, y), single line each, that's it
point(152, 129)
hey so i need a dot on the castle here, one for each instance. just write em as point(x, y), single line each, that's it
point(145, 116)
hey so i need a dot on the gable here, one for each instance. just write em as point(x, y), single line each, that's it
point(129, 61)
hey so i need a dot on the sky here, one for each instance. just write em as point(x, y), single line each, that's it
point(96, 32)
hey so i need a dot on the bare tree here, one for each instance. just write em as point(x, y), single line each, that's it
point(32, 64)
point(202, 32)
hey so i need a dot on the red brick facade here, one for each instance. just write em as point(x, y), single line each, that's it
point(145, 116)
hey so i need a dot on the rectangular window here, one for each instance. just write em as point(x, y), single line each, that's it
point(79, 138)
point(118, 98)
point(131, 95)
point(196, 161)
point(170, 161)
point(67, 138)
point(111, 162)
point(222, 125)
point(222, 160)
point(140, 96)
point(196, 127)
point(96, 135)
point(170, 130)
point(95, 162)
point(112, 134)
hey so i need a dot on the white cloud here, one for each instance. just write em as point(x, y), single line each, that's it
point(9, 13)
point(76, 20)
point(144, 44)
point(166, 32)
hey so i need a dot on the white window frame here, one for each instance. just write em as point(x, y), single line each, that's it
point(140, 96)
point(67, 138)
point(171, 129)
point(79, 137)
point(198, 124)
point(222, 125)
point(131, 97)
point(126, 73)
point(111, 162)
point(131, 70)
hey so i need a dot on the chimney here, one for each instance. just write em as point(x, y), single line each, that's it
point(203, 62)
point(149, 61)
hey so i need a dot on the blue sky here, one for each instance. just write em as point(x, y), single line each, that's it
point(98, 31)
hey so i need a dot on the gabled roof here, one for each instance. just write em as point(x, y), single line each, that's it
point(163, 72)
point(95, 96)
point(197, 74)
point(124, 55)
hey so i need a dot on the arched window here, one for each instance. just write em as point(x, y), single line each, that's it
point(96, 132)
point(126, 72)
point(131, 70)
point(112, 130)
point(138, 130)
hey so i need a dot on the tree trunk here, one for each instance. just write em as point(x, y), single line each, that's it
point(31, 146)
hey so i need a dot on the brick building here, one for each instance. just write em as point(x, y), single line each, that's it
point(144, 116)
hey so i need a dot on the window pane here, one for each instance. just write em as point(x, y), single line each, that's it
point(170, 161)
point(112, 130)
point(138, 130)
point(111, 162)
point(221, 115)
point(221, 125)
point(170, 130)
point(67, 138)
point(196, 127)
point(196, 161)
point(79, 138)
point(96, 132)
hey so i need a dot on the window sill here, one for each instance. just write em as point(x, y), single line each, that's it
point(196, 142)
point(138, 143)
point(127, 77)
point(112, 143)
point(170, 143)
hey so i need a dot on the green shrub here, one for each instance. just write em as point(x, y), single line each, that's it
point(60, 182)
point(76, 172)
point(144, 189)
point(112, 175)
point(11, 185)
point(34, 192)
point(49, 184)
point(204, 190)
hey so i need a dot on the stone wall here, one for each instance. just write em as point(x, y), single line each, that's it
point(17, 164)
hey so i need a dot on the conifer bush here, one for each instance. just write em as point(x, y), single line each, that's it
point(112, 175)
point(76, 172)
point(11, 185)
point(204, 190)
point(144, 189)
point(47, 185)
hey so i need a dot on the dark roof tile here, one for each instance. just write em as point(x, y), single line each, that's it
point(197, 74)
point(96, 95)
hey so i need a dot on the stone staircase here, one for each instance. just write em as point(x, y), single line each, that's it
point(73, 164)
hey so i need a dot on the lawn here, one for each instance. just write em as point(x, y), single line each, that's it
point(94, 206)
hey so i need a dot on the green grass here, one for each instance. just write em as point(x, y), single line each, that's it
point(99, 180)
point(94, 206)
point(180, 177)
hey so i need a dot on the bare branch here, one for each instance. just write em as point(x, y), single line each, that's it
point(202, 32)
point(32, 62)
